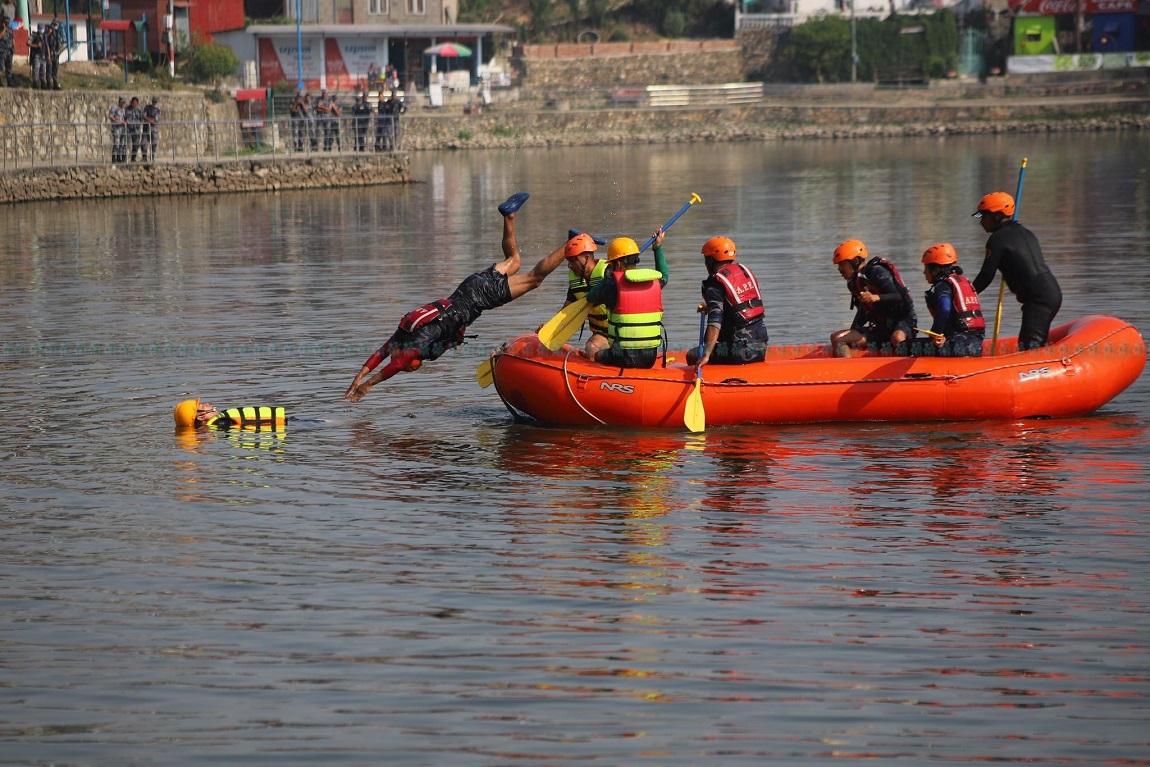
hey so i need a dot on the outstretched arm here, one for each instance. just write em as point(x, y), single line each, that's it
point(371, 364)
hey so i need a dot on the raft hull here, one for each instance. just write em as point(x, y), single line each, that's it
point(1087, 363)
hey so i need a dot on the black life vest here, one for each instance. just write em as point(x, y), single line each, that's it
point(860, 283)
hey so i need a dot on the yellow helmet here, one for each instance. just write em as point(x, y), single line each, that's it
point(621, 247)
point(849, 251)
point(186, 412)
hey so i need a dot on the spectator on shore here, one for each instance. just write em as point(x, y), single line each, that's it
point(151, 128)
point(311, 119)
point(372, 76)
point(36, 56)
point(298, 112)
point(322, 111)
point(362, 113)
point(134, 118)
point(119, 130)
point(333, 125)
point(53, 44)
point(389, 112)
point(390, 78)
point(7, 48)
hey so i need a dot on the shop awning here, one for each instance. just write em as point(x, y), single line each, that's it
point(109, 25)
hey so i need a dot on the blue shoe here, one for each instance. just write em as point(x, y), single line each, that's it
point(514, 203)
point(595, 238)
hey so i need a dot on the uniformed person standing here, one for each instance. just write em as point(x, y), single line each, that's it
point(361, 110)
point(298, 113)
point(322, 112)
point(134, 118)
point(151, 128)
point(36, 56)
point(119, 129)
point(53, 44)
point(7, 48)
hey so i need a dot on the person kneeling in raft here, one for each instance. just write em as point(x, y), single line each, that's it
point(193, 414)
point(428, 332)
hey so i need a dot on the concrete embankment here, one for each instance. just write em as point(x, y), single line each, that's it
point(558, 122)
point(574, 126)
point(242, 175)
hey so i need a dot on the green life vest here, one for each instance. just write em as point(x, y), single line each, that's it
point(597, 318)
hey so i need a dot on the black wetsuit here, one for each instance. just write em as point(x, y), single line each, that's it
point(1014, 250)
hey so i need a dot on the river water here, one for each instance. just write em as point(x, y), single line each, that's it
point(417, 580)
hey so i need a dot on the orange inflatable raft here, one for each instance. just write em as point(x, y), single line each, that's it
point(1087, 363)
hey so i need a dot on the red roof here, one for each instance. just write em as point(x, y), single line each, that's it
point(252, 94)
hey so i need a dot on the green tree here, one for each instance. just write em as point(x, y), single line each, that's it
point(820, 49)
point(210, 63)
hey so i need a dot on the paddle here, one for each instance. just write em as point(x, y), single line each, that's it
point(559, 329)
point(694, 417)
point(485, 373)
point(929, 333)
point(1001, 279)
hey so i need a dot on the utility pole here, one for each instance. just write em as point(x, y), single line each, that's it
point(854, 46)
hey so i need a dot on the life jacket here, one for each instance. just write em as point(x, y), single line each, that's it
point(597, 319)
point(860, 283)
point(636, 322)
point(414, 320)
point(967, 310)
point(742, 291)
point(250, 418)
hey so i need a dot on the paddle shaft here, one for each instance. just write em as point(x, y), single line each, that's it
point(1001, 279)
point(694, 199)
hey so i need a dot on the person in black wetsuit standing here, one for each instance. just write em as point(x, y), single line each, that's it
point(1013, 250)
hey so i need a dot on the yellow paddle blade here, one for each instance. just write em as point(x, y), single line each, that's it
point(485, 373)
point(694, 416)
point(559, 329)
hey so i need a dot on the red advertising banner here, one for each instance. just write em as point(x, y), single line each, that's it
point(1064, 7)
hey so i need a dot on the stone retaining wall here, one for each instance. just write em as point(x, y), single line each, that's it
point(75, 124)
point(600, 127)
point(248, 175)
point(574, 67)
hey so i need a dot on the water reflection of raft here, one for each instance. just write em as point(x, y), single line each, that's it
point(1087, 363)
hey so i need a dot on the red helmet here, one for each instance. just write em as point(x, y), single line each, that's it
point(942, 254)
point(580, 243)
point(849, 251)
point(995, 202)
point(719, 248)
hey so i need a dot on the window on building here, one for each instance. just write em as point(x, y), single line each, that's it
point(378, 7)
point(417, 7)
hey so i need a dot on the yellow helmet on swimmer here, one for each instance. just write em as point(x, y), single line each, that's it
point(186, 412)
point(621, 247)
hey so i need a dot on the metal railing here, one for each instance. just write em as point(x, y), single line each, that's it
point(42, 145)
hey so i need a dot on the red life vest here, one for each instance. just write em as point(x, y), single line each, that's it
point(967, 309)
point(741, 291)
point(636, 320)
point(414, 320)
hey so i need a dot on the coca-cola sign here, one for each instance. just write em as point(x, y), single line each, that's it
point(1063, 7)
